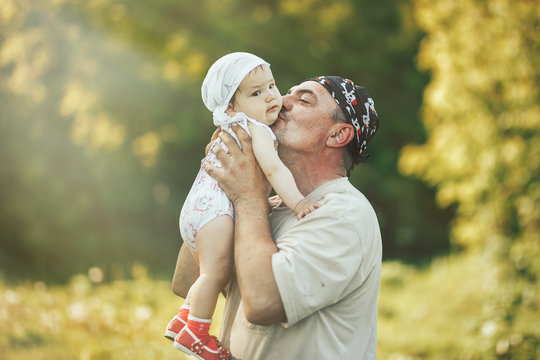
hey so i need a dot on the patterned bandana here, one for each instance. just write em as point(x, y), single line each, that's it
point(358, 107)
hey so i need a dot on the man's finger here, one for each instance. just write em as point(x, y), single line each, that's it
point(220, 153)
point(243, 137)
point(229, 141)
point(214, 137)
point(213, 171)
point(215, 134)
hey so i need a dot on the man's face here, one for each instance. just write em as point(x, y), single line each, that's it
point(305, 118)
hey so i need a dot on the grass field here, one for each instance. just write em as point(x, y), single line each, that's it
point(436, 313)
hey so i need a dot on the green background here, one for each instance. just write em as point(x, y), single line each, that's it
point(102, 129)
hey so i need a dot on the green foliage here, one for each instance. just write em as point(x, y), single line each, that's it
point(482, 113)
point(445, 311)
point(90, 319)
point(435, 313)
point(83, 119)
point(102, 127)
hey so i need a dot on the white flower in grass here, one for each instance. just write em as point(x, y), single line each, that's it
point(488, 329)
point(11, 297)
point(77, 311)
point(143, 313)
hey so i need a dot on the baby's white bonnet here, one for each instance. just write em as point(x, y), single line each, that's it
point(222, 80)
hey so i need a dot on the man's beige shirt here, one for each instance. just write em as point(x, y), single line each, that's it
point(327, 271)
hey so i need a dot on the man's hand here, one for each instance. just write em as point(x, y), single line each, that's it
point(209, 146)
point(240, 175)
point(246, 186)
point(186, 272)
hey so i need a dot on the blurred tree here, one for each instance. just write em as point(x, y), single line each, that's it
point(78, 143)
point(102, 127)
point(375, 46)
point(482, 113)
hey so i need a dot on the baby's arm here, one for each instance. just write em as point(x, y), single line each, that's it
point(279, 176)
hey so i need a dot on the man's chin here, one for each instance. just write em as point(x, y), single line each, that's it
point(277, 125)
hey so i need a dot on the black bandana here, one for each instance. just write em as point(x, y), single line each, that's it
point(358, 107)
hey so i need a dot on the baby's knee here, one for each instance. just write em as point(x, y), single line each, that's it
point(217, 279)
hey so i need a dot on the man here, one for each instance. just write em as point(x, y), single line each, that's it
point(304, 289)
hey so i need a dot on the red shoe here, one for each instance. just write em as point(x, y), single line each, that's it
point(207, 348)
point(174, 327)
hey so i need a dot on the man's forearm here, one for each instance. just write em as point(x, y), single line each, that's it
point(253, 249)
point(242, 179)
point(186, 272)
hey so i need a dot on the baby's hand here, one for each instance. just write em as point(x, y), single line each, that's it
point(305, 207)
point(274, 201)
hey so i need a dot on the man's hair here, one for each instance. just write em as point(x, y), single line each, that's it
point(347, 155)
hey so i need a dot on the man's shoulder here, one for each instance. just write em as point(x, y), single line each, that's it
point(348, 207)
point(342, 194)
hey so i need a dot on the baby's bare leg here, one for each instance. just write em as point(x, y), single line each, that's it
point(214, 245)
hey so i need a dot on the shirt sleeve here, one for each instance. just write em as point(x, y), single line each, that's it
point(316, 260)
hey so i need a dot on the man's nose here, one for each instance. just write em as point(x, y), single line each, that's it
point(286, 102)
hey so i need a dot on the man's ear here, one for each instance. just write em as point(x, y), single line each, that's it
point(340, 135)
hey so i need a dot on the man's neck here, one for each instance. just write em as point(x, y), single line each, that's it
point(310, 174)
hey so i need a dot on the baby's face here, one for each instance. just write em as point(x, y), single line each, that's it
point(258, 96)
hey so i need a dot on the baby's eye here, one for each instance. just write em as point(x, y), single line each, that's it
point(272, 86)
point(256, 93)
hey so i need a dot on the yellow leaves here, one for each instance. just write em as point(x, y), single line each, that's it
point(15, 45)
point(295, 7)
point(106, 133)
point(520, 90)
point(329, 15)
point(180, 61)
point(431, 14)
point(458, 287)
point(171, 70)
point(412, 160)
point(474, 225)
point(119, 319)
point(194, 64)
point(146, 147)
point(334, 14)
point(512, 149)
point(89, 128)
point(8, 9)
point(176, 43)
point(29, 58)
point(97, 131)
point(481, 112)
point(77, 99)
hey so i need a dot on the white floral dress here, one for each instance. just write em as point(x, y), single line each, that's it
point(206, 200)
